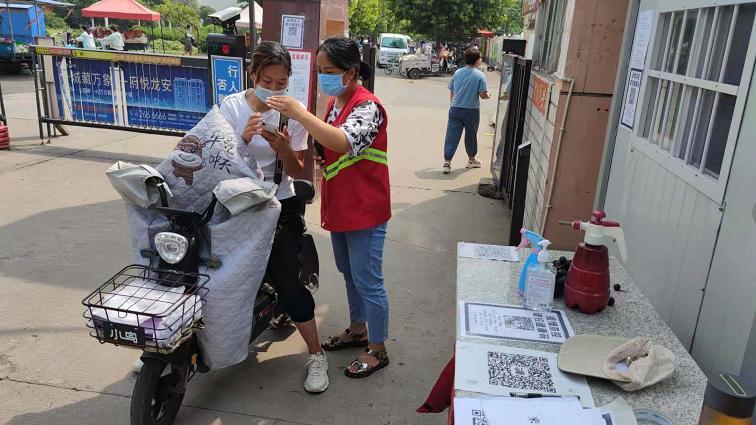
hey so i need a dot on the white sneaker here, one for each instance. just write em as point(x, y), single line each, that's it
point(447, 167)
point(317, 373)
point(473, 163)
point(138, 365)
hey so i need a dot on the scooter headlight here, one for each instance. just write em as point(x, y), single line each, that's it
point(171, 246)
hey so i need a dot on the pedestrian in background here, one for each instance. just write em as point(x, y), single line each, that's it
point(355, 196)
point(188, 41)
point(467, 87)
point(86, 38)
point(114, 41)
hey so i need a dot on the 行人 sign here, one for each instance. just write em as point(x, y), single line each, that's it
point(228, 77)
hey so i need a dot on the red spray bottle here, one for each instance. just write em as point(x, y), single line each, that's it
point(587, 284)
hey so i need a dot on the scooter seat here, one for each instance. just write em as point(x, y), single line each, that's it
point(304, 190)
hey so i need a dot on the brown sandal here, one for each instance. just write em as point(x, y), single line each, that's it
point(363, 369)
point(335, 343)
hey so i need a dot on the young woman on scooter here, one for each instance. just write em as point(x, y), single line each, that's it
point(355, 201)
point(246, 112)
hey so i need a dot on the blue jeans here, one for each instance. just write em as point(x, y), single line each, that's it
point(359, 257)
point(459, 119)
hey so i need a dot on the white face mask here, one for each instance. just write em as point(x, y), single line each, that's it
point(263, 94)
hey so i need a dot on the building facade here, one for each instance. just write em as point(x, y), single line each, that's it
point(575, 49)
point(677, 171)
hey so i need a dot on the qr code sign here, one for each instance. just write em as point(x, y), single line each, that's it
point(293, 31)
point(519, 371)
point(518, 322)
point(478, 417)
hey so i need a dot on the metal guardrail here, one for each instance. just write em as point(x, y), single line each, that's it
point(139, 92)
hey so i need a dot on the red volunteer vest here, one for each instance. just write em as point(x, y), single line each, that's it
point(355, 192)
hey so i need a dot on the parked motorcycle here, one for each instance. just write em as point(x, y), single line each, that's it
point(159, 309)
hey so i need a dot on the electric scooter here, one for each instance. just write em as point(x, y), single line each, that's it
point(161, 308)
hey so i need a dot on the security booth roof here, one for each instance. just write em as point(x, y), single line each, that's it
point(120, 9)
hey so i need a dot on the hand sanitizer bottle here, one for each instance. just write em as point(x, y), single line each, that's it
point(539, 286)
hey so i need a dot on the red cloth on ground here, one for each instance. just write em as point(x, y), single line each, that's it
point(440, 396)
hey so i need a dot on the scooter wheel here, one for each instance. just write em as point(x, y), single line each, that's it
point(156, 399)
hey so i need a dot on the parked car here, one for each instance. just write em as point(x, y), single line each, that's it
point(391, 47)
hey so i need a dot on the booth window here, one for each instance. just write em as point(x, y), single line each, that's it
point(549, 27)
point(694, 83)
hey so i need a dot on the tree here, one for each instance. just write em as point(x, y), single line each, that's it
point(204, 12)
point(371, 17)
point(178, 12)
point(450, 19)
point(513, 19)
point(364, 17)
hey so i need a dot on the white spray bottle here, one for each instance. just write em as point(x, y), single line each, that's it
point(539, 285)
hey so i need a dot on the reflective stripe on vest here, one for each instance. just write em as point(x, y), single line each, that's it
point(370, 154)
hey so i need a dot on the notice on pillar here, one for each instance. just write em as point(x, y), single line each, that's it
point(292, 31)
point(632, 92)
point(300, 82)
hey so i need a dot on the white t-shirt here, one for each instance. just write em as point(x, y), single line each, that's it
point(236, 111)
point(87, 40)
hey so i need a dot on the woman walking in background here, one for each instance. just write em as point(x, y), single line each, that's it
point(467, 87)
point(355, 201)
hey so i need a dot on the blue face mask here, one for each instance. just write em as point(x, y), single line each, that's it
point(263, 94)
point(331, 84)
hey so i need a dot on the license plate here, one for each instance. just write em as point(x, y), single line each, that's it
point(121, 334)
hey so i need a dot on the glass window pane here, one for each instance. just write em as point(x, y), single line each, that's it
point(687, 41)
point(719, 134)
point(722, 31)
point(702, 127)
point(682, 145)
point(653, 86)
point(703, 50)
point(670, 120)
point(661, 108)
point(672, 51)
point(661, 40)
point(740, 39)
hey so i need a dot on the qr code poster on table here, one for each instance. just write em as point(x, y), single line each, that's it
point(501, 370)
point(515, 323)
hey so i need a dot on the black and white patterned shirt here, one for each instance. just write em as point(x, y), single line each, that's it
point(361, 126)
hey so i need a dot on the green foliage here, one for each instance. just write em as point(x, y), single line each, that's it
point(53, 21)
point(178, 13)
point(372, 17)
point(204, 12)
point(451, 19)
point(513, 19)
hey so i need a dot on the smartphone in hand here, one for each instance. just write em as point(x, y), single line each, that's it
point(269, 127)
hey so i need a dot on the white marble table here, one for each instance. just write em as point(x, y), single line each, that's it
point(679, 397)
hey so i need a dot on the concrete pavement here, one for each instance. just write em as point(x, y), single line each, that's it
point(63, 231)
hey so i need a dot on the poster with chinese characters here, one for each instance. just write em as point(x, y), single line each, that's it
point(85, 91)
point(300, 82)
point(165, 97)
point(228, 77)
point(515, 323)
point(292, 31)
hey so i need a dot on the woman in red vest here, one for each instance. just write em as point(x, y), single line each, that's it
point(355, 201)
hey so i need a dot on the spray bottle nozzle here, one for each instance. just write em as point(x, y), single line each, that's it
point(543, 253)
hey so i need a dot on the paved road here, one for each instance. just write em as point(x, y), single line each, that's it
point(17, 83)
point(63, 230)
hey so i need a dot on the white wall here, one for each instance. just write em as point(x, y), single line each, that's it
point(681, 257)
point(729, 308)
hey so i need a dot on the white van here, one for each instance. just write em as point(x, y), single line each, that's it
point(391, 47)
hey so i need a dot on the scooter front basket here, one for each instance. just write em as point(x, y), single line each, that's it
point(143, 308)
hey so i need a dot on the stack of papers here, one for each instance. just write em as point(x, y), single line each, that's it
point(527, 411)
point(499, 371)
point(488, 252)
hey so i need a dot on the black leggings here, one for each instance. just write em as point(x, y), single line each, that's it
point(284, 265)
